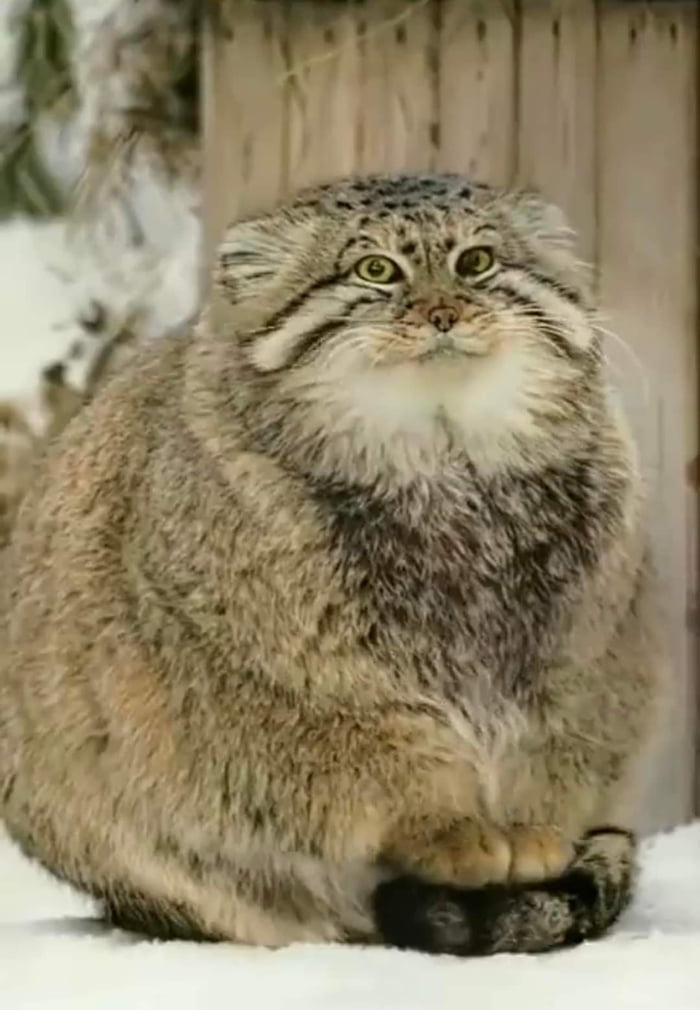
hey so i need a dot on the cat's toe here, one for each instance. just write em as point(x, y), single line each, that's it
point(538, 853)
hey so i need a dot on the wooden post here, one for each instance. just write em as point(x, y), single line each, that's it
point(647, 255)
point(556, 136)
point(244, 115)
point(477, 105)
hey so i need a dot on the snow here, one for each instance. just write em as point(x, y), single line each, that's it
point(139, 255)
point(54, 955)
point(51, 276)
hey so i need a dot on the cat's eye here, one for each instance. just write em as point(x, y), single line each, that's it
point(475, 261)
point(378, 270)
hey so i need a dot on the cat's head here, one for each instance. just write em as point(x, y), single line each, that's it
point(405, 306)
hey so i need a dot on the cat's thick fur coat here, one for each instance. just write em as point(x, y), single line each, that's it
point(324, 625)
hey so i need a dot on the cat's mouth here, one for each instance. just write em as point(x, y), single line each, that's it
point(446, 346)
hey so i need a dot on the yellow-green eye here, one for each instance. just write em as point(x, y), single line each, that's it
point(378, 270)
point(475, 261)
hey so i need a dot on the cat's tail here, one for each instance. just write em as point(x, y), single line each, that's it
point(580, 905)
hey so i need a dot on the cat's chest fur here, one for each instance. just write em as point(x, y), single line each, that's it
point(464, 577)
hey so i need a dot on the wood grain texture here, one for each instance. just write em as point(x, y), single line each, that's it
point(647, 172)
point(396, 129)
point(245, 122)
point(322, 88)
point(477, 100)
point(556, 109)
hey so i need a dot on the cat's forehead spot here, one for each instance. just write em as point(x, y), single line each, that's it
point(418, 198)
point(418, 217)
point(417, 236)
point(401, 194)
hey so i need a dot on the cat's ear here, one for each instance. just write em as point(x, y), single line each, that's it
point(537, 218)
point(263, 252)
point(543, 228)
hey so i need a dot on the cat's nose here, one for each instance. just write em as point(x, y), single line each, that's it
point(443, 316)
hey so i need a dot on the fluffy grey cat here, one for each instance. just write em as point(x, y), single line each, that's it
point(333, 622)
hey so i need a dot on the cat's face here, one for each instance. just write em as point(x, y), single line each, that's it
point(395, 300)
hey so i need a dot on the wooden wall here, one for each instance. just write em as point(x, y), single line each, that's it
point(594, 103)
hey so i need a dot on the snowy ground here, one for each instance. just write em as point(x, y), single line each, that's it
point(53, 955)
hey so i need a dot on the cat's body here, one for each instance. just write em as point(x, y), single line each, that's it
point(310, 600)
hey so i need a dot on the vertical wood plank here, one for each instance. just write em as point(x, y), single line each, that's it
point(556, 109)
point(322, 91)
point(647, 167)
point(244, 111)
point(397, 130)
point(477, 88)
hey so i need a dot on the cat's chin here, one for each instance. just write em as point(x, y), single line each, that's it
point(452, 355)
point(445, 379)
point(412, 411)
point(416, 401)
point(467, 345)
point(452, 352)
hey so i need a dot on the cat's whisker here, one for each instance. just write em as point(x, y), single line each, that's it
point(633, 356)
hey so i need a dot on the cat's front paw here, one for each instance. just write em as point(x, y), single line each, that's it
point(470, 853)
point(538, 853)
point(466, 853)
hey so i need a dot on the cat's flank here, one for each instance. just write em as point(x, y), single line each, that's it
point(332, 622)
